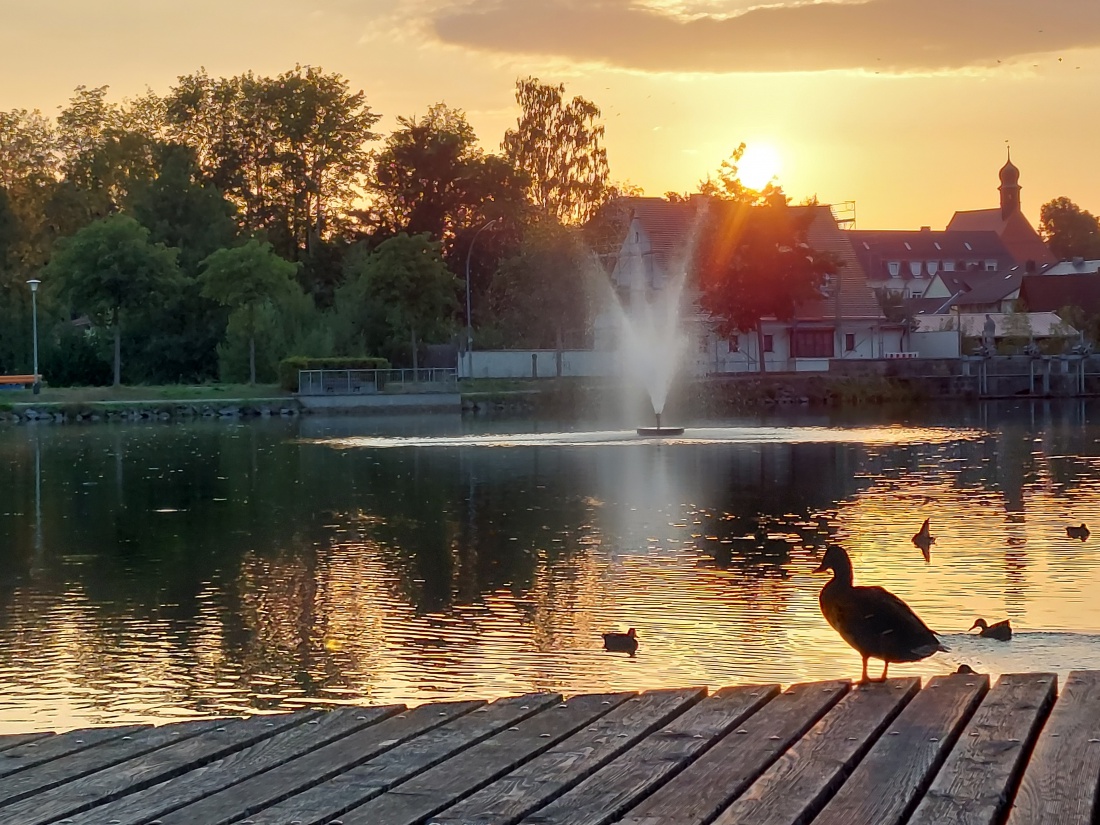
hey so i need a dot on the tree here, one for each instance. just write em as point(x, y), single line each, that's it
point(755, 263)
point(28, 174)
point(404, 286)
point(110, 266)
point(559, 146)
point(243, 279)
point(289, 152)
point(541, 294)
point(727, 185)
point(1069, 230)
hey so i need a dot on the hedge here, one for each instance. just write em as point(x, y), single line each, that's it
point(289, 367)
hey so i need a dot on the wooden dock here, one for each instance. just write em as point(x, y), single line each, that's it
point(957, 751)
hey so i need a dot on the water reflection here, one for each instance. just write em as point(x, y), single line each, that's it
point(158, 571)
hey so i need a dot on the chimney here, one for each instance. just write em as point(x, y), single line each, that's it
point(1029, 266)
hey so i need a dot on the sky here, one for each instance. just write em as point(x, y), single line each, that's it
point(905, 107)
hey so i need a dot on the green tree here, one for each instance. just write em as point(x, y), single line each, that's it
point(243, 279)
point(403, 287)
point(559, 146)
point(28, 174)
point(289, 152)
point(754, 262)
point(1069, 230)
point(541, 295)
point(111, 266)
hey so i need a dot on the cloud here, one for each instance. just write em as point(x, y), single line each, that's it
point(897, 36)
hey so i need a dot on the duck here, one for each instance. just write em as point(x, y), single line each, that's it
point(872, 620)
point(1001, 631)
point(967, 669)
point(621, 642)
point(924, 539)
point(1081, 532)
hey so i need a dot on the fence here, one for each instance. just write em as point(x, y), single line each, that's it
point(360, 382)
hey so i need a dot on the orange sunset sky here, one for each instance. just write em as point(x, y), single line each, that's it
point(904, 106)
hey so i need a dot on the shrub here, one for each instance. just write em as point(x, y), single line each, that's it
point(289, 367)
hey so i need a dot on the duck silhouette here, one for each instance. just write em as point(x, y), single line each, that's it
point(1081, 532)
point(1001, 631)
point(872, 620)
point(967, 669)
point(924, 539)
point(621, 642)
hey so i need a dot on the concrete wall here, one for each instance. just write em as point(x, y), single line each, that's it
point(382, 402)
point(936, 344)
point(539, 364)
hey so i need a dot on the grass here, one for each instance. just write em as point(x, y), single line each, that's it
point(155, 393)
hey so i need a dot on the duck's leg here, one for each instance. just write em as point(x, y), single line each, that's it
point(863, 678)
point(885, 667)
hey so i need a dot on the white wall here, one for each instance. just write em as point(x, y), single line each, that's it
point(937, 344)
point(517, 364)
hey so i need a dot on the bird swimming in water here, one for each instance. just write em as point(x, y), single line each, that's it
point(872, 620)
point(1001, 631)
point(1081, 532)
point(924, 539)
point(621, 642)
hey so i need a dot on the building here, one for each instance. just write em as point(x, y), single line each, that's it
point(845, 322)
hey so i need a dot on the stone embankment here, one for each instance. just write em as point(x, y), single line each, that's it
point(66, 413)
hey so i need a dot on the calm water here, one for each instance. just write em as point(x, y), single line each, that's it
point(150, 572)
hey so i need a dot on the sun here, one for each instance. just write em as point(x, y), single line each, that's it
point(759, 165)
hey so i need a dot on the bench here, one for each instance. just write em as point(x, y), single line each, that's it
point(18, 382)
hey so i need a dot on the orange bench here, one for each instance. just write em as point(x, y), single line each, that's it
point(21, 380)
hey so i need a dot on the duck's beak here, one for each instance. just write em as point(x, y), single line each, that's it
point(973, 626)
point(821, 568)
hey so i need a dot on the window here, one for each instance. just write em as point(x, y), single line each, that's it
point(812, 343)
point(769, 343)
point(849, 342)
point(735, 343)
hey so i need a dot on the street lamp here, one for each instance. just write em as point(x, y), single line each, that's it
point(469, 327)
point(33, 284)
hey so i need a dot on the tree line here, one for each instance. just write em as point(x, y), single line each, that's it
point(209, 232)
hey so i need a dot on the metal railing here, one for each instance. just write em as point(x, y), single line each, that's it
point(359, 382)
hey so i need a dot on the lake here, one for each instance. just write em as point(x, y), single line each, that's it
point(151, 572)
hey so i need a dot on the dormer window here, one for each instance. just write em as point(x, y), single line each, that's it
point(969, 248)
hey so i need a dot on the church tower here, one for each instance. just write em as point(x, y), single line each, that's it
point(1009, 189)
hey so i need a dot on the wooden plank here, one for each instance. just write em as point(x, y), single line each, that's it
point(613, 789)
point(887, 784)
point(800, 782)
point(978, 779)
point(362, 783)
point(14, 740)
point(209, 779)
point(548, 776)
point(411, 802)
point(81, 794)
point(318, 765)
point(57, 771)
point(718, 776)
point(1060, 781)
point(34, 753)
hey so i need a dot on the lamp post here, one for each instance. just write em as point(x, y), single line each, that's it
point(33, 284)
point(469, 327)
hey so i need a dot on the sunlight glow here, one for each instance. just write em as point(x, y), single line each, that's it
point(759, 165)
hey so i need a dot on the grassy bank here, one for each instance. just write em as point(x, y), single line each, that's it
point(183, 393)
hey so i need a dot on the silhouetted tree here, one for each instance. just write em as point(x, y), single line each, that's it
point(1069, 230)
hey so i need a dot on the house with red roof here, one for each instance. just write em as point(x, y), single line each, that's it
point(846, 321)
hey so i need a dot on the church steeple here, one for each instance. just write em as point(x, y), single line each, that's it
point(1009, 188)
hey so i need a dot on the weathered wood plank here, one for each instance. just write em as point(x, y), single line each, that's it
point(362, 783)
point(1059, 786)
point(67, 768)
point(423, 795)
point(800, 781)
point(34, 753)
point(546, 777)
point(887, 784)
point(978, 779)
point(142, 771)
point(300, 773)
point(605, 795)
point(215, 776)
point(718, 776)
point(14, 740)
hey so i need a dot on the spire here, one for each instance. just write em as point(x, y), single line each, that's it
point(1009, 188)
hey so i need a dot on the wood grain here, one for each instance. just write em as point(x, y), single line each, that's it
point(36, 752)
point(548, 776)
point(605, 795)
point(889, 781)
point(718, 776)
point(1059, 786)
point(799, 782)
